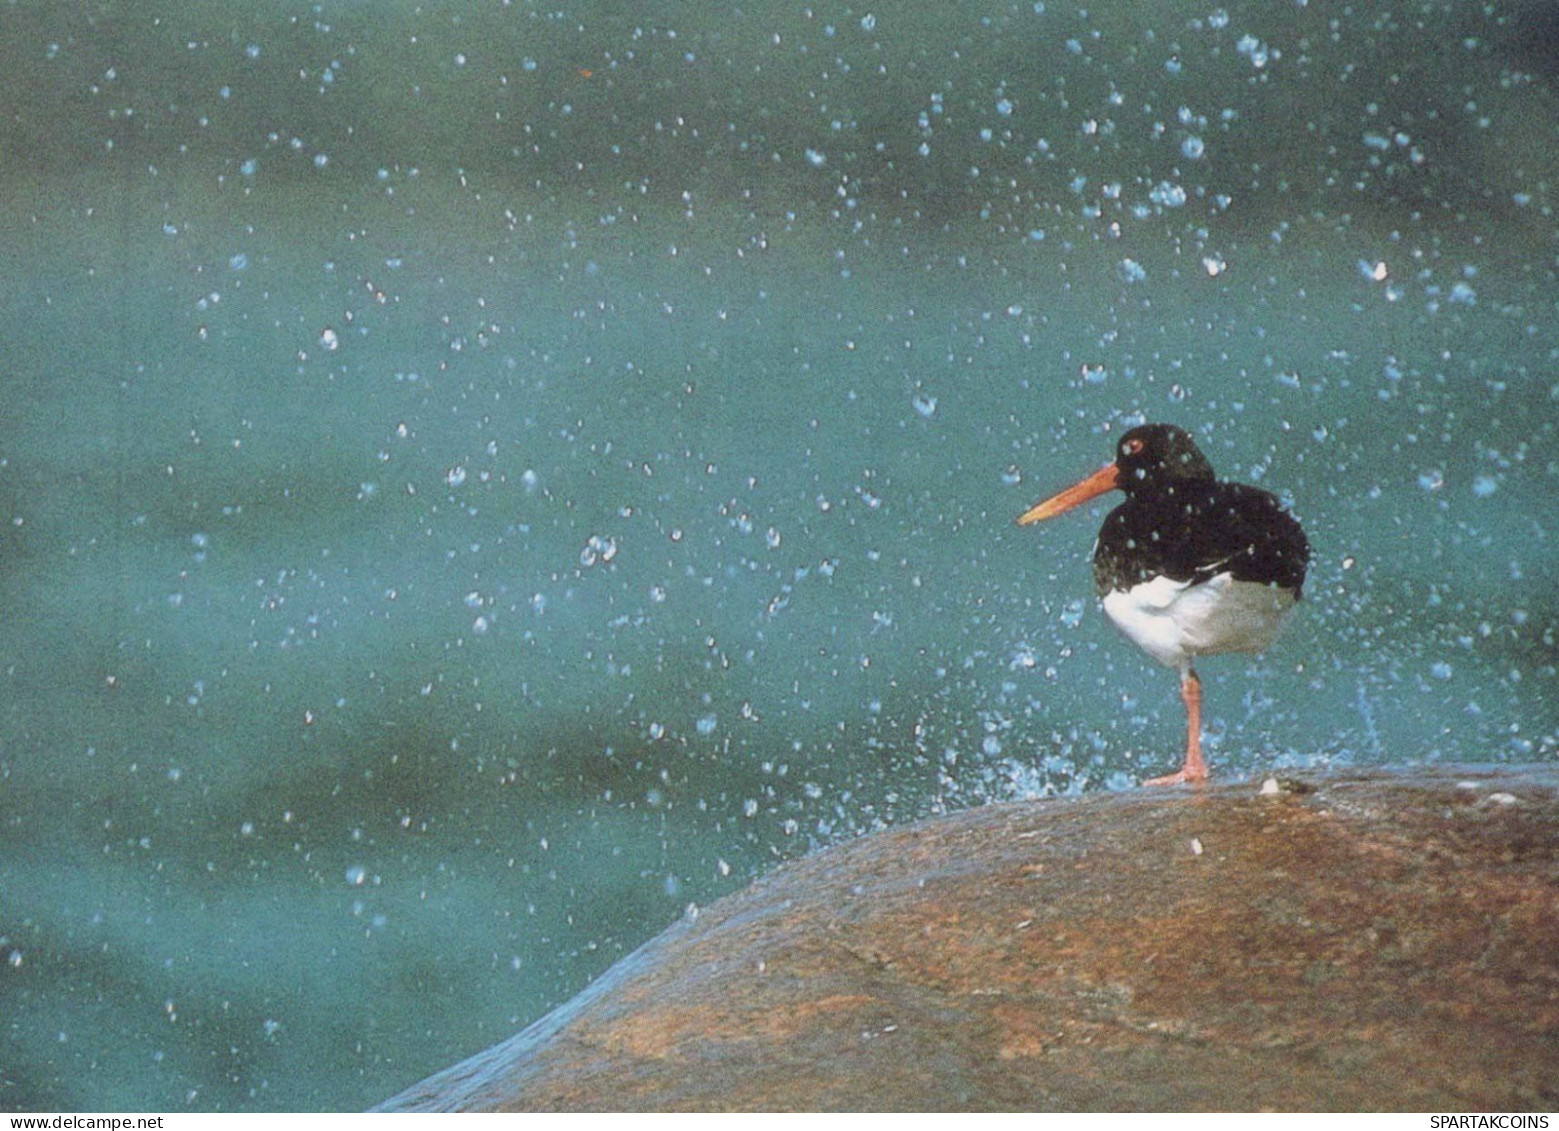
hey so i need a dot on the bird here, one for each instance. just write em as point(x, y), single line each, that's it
point(1189, 565)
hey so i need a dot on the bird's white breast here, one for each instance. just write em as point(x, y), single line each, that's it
point(1176, 621)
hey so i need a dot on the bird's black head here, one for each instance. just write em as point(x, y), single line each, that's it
point(1158, 455)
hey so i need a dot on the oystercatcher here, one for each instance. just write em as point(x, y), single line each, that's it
point(1187, 565)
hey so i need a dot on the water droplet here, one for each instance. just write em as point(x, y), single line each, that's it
point(597, 549)
point(1256, 51)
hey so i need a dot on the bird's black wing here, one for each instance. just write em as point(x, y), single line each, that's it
point(1192, 532)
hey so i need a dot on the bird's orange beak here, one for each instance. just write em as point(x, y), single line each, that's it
point(1107, 478)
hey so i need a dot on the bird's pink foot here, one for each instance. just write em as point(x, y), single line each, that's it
point(1187, 776)
point(1194, 771)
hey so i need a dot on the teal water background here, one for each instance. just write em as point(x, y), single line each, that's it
point(480, 479)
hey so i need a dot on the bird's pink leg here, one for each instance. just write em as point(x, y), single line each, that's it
point(1195, 769)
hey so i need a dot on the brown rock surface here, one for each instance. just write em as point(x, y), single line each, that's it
point(1381, 940)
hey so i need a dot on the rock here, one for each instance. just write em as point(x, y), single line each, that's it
point(1374, 940)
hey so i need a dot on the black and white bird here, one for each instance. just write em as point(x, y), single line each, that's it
point(1187, 566)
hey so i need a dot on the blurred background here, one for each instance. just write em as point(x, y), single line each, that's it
point(480, 479)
